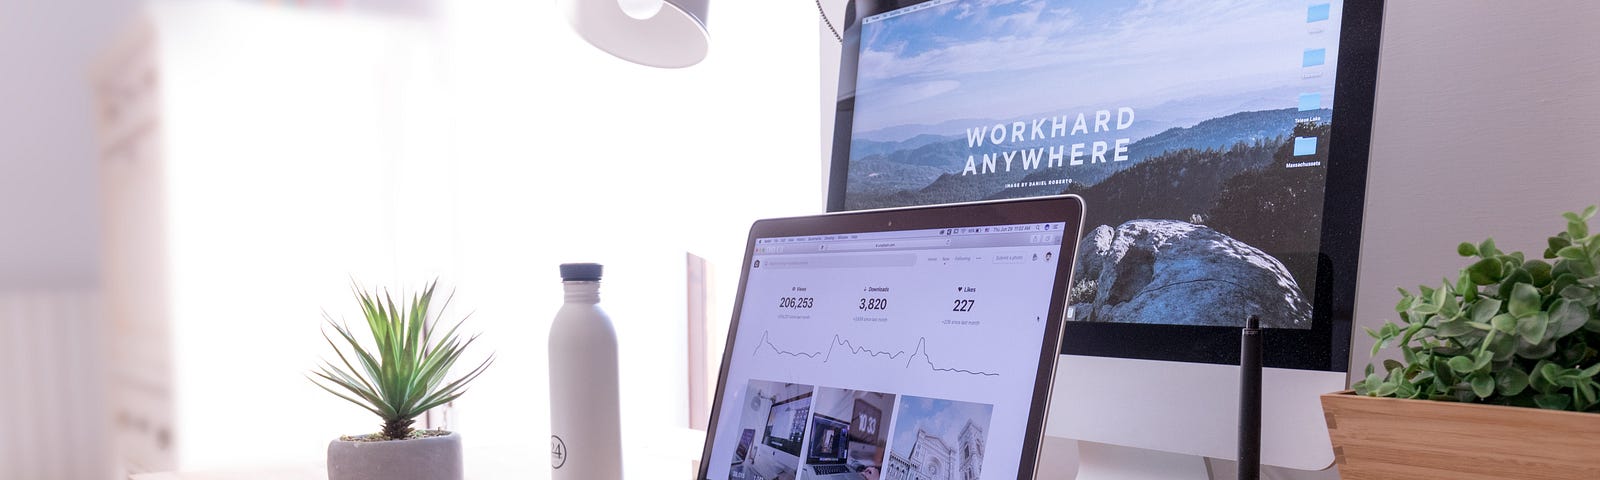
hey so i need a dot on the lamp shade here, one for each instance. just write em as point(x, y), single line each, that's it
point(674, 37)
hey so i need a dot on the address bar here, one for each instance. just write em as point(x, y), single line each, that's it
point(839, 261)
point(883, 244)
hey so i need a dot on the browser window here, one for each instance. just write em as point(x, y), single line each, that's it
point(900, 342)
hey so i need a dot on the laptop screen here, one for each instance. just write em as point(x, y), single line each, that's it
point(916, 336)
point(828, 441)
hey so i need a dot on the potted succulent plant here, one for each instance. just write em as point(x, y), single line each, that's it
point(398, 376)
point(1497, 376)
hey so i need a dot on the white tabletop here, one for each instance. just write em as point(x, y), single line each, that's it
point(660, 460)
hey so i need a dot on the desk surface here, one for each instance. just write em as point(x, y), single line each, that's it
point(302, 473)
point(677, 453)
point(493, 463)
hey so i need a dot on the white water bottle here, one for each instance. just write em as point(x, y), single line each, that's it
point(586, 431)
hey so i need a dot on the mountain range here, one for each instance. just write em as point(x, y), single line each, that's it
point(926, 170)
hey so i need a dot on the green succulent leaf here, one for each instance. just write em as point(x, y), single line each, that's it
point(1552, 401)
point(1511, 381)
point(1556, 244)
point(1462, 365)
point(1513, 278)
point(1540, 271)
point(1572, 252)
point(1532, 327)
point(1538, 350)
point(1370, 385)
point(1567, 317)
point(1537, 379)
point(1453, 328)
point(1576, 292)
point(1487, 249)
point(1467, 249)
point(1482, 385)
point(1487, 271)
point(1550, 372)
point(1524, 300)
point(1584, 396)
point(1485, 310)
point(1504, 323)
point(1503, 347)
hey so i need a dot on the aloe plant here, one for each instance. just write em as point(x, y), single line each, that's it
point(402, 372)
point(1508, 330)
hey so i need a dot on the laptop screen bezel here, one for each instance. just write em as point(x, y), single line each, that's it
point(1066, 209)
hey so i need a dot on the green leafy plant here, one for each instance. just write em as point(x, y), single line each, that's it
point(401, 374)
point(1509, 330)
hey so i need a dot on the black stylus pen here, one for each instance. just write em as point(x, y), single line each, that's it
point(1250, 400)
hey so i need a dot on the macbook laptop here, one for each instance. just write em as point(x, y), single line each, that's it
point(827, 452)
point(922, 341)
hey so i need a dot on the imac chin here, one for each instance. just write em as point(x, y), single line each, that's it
point(1143, 419)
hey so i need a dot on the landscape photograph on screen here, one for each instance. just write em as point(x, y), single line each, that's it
point(1196, 132)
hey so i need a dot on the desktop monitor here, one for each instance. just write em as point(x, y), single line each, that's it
point(786, 424)
point(1221, 151)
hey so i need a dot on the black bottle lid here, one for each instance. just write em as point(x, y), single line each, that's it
point(580, 272)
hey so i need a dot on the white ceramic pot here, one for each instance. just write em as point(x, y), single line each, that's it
point(431, 458)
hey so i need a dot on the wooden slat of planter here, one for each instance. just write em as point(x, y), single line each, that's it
point(1387, 438)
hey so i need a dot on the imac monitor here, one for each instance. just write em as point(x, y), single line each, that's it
point(786, 424)
point(1220, 149)
point(924, 340)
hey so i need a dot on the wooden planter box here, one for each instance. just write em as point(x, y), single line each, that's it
point(1390, 438)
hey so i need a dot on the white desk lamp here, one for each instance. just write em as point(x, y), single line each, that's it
point(657, 33)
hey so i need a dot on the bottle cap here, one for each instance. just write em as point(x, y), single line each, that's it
point(580, 272)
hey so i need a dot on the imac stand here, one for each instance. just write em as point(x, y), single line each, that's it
point(1100, 461)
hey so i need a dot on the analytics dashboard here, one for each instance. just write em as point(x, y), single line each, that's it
point(885, 353)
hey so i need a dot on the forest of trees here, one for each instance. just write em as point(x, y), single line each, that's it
point(1279, 209)
point(1177, 185)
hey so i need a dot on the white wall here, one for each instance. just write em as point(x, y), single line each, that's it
point(507, 147)
point(51, 330)
point(568, 154)
point(1483, 128)
point(485, 144)
point(49, 209)
point(1485, 125)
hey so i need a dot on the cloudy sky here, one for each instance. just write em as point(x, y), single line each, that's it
point(1010, 59)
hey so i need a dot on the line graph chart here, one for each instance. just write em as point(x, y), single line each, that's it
point(844, 346)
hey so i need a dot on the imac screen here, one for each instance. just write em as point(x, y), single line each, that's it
point(1197, 133)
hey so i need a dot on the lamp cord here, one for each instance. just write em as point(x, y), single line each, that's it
point(825, 21)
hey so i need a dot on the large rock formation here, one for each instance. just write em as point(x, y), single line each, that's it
point(1172, 272)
